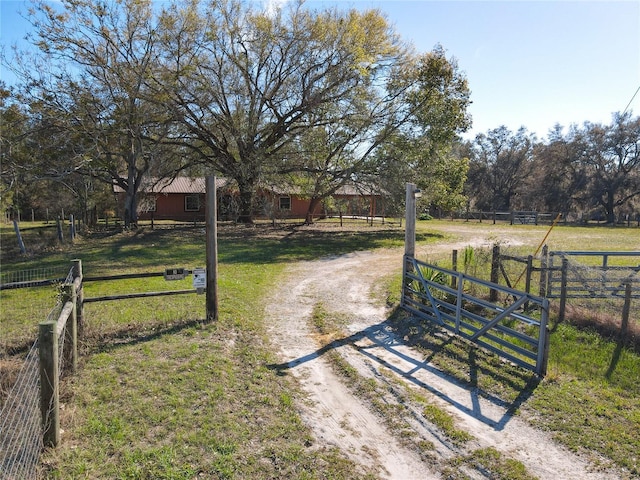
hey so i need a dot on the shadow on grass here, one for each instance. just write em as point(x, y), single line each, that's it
point(383, 344)
point(144, 247)
point(133, 335)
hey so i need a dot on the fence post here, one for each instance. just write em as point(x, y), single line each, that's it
point(49, 388)
point(543, 271)
point(495, 272)
point(59, 229)
point(16, 227)
point(454, 267)
point(211, 248)
point(563, 289)
point(71, 295)
point(410, 220)
point(79, 286)
point(625, 310)
point(543, 340)
point(527, 280)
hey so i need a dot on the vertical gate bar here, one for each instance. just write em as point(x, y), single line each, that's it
point(404, 281)
point(459, 301)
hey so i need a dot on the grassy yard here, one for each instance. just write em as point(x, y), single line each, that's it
point(161, 394)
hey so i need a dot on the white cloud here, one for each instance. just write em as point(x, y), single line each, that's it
point(272, 6)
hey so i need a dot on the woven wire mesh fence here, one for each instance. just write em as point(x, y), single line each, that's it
point(32, 275)
point(21, 416)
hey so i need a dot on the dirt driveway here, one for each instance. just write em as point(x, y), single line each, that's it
point(343, 285)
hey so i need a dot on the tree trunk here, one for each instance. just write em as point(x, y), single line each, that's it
point(247, 192)
point(313, 203)
point(131, 200)
point(610, 209)
point(130, 210)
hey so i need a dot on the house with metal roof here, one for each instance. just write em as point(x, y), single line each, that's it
point(183, 199)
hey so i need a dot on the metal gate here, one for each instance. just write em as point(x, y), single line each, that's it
point(516, 329)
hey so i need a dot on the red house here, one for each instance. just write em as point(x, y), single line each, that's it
point(183, 199)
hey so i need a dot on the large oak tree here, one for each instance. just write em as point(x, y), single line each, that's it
point(249, 85)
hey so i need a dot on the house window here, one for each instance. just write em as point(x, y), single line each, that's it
point(191, 203)
point(285, 203)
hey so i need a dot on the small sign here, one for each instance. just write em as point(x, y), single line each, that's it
point(199, 278)
point(174, 274)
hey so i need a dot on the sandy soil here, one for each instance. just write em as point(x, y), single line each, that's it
point(344, 285)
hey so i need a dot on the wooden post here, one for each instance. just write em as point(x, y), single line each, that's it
point(72, 228)
point(59, 228)
point(563, 290)
point(79, 285)
point(527, 280)
point(454, 267)
point(543, 271)
point(495, 272)
point(212, 249)
point(626, 309)
point(16, 227)
point(410, 221)
point(49, 387)
point(543, 340)
point(71, 332)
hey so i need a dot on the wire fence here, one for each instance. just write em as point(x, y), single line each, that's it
point(33, 275)
point(21, 421)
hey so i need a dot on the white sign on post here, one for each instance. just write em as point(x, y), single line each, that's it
point(200, 279)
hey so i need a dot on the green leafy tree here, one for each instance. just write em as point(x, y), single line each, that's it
point(89, 78)
point(500, 164)
point(435, 97)
point(247, 85)
point(609, 163)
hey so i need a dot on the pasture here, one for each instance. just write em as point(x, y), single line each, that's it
point(161, 394)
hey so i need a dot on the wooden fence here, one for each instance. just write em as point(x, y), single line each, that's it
point(52, 346)
point(57, 353)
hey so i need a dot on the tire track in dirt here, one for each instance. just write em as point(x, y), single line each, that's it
point(343, 285)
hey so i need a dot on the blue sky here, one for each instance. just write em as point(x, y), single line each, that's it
point(529, 63)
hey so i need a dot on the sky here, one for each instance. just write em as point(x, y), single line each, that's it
point(532, 64)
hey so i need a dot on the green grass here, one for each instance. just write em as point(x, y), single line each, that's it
point(160, 394)
point(590, 398)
